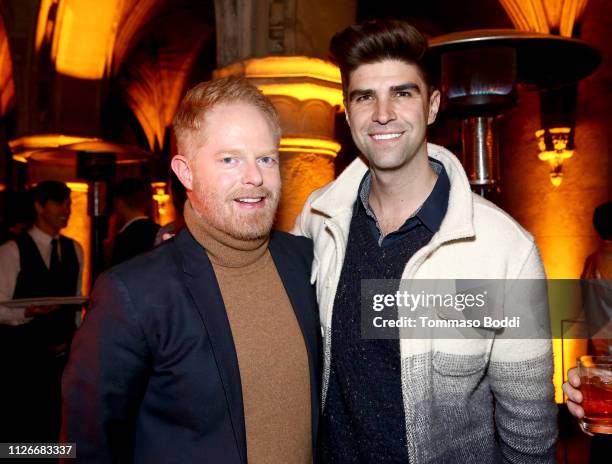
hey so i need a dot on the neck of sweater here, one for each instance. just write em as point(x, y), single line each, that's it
point(223, 249)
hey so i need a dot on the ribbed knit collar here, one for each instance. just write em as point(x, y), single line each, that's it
point(223, 249)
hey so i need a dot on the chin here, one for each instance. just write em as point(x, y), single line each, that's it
point(251, 228)
point(250, 233)
point(386, 164)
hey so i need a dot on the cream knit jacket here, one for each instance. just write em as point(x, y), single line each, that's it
point(465, 400)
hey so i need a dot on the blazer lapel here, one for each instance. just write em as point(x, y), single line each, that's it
point(299, 290)
point(203, 286)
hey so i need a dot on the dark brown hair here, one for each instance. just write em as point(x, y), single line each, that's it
point(135, 192)
point(50, 190)
point(377, 40)
point(602, 220)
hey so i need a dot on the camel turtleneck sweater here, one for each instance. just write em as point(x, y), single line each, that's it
point(271, 352)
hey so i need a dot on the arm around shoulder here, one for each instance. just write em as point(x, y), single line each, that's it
point(302, 224)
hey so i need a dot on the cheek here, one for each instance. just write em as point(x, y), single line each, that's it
point(272, 179)
point(357, 117)
point(219, 181)
point(50, 213)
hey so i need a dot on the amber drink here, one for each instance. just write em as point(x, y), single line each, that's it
point(596, 388)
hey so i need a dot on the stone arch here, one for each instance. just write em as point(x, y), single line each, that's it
point(7, 81)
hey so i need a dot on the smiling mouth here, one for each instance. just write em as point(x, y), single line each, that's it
point(248, 201)
point(384, 137)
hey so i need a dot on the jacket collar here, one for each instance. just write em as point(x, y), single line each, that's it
point(337, 201)
point(304, 305)
point(202, 284)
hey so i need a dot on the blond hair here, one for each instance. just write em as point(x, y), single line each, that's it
point(189, 121)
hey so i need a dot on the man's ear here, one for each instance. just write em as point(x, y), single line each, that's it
point(181, 167)
point(38, 207)
point(434, 106)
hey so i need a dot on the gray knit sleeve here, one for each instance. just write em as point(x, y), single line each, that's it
point(521, 371)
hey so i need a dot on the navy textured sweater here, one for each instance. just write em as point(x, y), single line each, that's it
point(363, 420)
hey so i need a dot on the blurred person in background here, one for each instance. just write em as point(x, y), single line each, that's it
point(597, 284)
point(137, 231)
point(597, 306)
point(34, 340)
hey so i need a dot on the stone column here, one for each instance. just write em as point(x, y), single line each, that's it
point(281, 46)
point(307, 94)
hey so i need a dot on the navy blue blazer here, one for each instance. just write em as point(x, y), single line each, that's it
point(153, 375)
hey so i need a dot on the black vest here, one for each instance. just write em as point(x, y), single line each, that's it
point(41, 335)
point(36, 280)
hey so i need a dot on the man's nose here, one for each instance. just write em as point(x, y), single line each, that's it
point(383, 111)
point(251, 174)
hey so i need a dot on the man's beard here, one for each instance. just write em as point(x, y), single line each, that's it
point(240, 224)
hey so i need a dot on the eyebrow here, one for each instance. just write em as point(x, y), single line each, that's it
point(223, 153)
point(407, 86)
point(395, 88)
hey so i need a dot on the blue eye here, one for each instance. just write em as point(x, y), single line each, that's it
point(267, 160)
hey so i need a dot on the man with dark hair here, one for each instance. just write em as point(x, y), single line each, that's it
point(597, 284)
point(406, 211)
point(138, 231)
point(602, 221)
point(205, 349)
point(34, 341)
point(596, 294)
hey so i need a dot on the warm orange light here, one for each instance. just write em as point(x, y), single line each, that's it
point(46, 141)
point(80, 187)
point(284, 67)
point(163, 214)
point(299, 77)
point(42, 27)
point(7, 83)
point(84, 37)
point(305, 91)
point(556, 151)
point(22, 147)
point(545, 15)
point(79, 226)
point(310, 145)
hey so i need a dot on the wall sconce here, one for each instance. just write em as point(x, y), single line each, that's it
point(558, 122)
point(161, 197)
point(556, 145)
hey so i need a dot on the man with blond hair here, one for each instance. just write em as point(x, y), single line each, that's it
point(205, 349)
